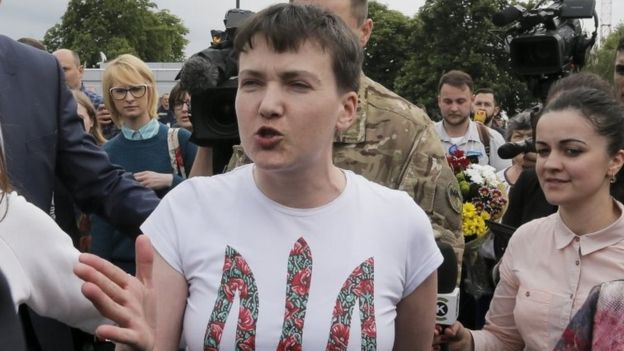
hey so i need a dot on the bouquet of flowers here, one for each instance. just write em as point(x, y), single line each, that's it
point(484, 199)
point(483, 193)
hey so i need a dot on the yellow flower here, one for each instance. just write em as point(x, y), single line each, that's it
point(474, 222)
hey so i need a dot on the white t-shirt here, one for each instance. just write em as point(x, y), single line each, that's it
point(366, 250)
point(38, 259)
point(472, 145)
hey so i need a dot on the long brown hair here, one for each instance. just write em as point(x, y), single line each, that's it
point(5, 186)
point(96, 130)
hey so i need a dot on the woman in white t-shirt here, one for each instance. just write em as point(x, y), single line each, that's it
point(37, 259)
point(289, 252)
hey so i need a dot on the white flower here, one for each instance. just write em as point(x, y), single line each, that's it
point(482, 174)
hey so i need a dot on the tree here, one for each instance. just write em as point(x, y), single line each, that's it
point(118, 27)
point(602, 59)
point(458, 34)
point(388, 47)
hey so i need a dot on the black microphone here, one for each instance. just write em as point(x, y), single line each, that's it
point(204, 70)
point(448, 293)
point(508, 15)
point(511, 150)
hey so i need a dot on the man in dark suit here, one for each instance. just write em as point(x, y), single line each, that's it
point(44, 139)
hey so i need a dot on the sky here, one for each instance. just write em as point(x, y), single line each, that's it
point(32, 18)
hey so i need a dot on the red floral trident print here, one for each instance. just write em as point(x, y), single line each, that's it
point(297, 290)
point(238, 277)
point(361, 286)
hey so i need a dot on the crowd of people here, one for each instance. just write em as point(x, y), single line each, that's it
point(334, 205)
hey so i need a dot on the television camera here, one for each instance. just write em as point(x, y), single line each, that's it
point(547, 43)
point(210, 76)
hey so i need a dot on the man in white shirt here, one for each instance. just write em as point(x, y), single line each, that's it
point(479, 142)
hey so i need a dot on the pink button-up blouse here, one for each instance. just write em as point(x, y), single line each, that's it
point(545, 276)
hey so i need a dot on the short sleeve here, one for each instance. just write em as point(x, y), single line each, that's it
point(161, 228)
point(423, 255)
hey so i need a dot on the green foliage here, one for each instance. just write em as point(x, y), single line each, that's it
point(601, 60)
point(118, 27)
point(387, 49)
point(458, 34)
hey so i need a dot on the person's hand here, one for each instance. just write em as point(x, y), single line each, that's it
point(128, 301)
point(455, 336)
point(153, 180)
point(528, 160)
point(103, 116)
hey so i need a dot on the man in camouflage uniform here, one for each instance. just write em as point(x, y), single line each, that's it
point(393, 142)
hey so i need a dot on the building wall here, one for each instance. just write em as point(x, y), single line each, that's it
point(164, 72)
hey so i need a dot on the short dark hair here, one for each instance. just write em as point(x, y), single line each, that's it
point(487, 91)
point(600, 108)
point(176, 96)
point(457, 79)
point(288, 26)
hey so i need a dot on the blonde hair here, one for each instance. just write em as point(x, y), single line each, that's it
point(128, 70)
point(84, 101)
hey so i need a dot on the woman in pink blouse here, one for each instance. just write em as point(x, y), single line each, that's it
point(552, 263)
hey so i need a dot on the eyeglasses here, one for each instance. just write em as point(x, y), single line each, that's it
point(119, 93)
point(178, 105)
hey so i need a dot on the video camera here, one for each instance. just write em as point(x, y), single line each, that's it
point(510, 149)
point(210, 76)
point(547, 43)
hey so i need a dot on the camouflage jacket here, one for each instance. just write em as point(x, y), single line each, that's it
point(394, 143)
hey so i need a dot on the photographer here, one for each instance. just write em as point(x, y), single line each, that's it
point(518, 130)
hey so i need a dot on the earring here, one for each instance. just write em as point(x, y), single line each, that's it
point(612, 179)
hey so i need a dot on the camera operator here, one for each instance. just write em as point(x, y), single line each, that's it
point(518, 131)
